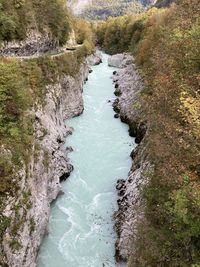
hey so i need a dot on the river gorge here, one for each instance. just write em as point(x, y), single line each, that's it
point(81, 228)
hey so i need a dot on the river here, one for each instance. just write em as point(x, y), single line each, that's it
point(81, 230)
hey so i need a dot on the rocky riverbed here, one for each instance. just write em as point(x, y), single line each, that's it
point(128, 87)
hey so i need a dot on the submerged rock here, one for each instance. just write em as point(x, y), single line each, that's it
point(116, 105)
point(117, 92)
point(66, 175)
point(69, 149)
point(116, 116)
point(120, 184)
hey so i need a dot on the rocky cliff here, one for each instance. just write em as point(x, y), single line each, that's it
point(35, 43)
point(164, 3)
point(128, 87)
point(39, 180)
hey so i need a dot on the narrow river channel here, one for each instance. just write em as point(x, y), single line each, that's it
point(81, 224)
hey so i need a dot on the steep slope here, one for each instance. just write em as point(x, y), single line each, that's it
point(160, 215)
point(32, 26)
point(37, 93)
point(33, 159)
point(78, 6)
point(101, 9)
point(164, 3)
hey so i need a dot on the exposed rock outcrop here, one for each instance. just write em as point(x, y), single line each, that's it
point(49, 165)
point(164, 3)
point(129, 86)
point(34, 44)
point(120, 60)
point(94, 59)
point(130, 206)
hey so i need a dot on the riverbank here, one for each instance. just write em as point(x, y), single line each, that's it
point(165, 44)
point(37, 180)
point(128, 88)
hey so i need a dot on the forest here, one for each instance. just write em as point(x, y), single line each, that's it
point(101, 9)
point(18, 17)
point(23, 87)
point(165, 43)
point(166, 46)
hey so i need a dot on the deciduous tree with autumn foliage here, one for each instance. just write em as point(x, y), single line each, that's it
point(166, 46)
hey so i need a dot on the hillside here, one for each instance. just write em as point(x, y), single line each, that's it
point(78, 5)
point(101, 9)
point(166, 46)
point(34, 84)
point(19, 18)
point(163, 3)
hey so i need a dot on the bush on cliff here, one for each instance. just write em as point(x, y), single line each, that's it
point(84, 34)
point(18, 17)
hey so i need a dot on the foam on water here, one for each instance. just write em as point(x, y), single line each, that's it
point(81, 225)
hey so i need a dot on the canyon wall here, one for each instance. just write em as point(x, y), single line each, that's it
point(39, 179)
point(128, 88)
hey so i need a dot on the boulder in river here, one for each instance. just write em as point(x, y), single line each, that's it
point(69, 149)
point(94, 59)
point(120, 61)
point(116, 116)
point(117, 92)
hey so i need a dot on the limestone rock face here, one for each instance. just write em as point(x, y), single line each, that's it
point(130, 205)
point(128, 85)
point(94, 59)
point(49, 165)
point(120, 60)
point(34, 44)
point(128, 89)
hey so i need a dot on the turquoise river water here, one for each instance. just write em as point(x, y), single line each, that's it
point(81, 224)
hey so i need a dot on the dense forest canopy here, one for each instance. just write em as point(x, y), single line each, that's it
point(166, 46)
